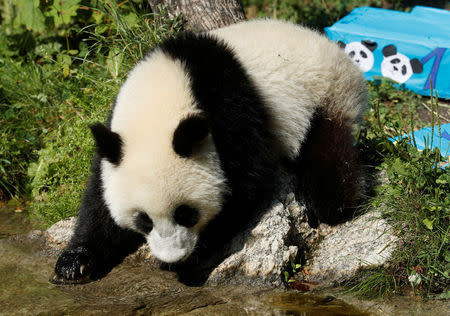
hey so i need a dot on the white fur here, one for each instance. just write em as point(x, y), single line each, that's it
point(296, 70)
point(152, 177)
point(171, 243)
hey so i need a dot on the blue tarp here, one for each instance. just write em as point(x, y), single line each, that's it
point(409, 48)
point(424, 140)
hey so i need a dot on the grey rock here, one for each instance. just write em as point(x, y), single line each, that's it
point(283, 235)
point(269, 248)
point(365, 241)
point(60, 233)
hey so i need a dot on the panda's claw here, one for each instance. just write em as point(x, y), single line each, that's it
point(73, 266)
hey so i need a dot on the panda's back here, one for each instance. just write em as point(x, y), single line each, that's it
point(296, 70)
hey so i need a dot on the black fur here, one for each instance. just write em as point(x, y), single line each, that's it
point(143, 223)
point(108, 143)
point(236, 114)
point(98, 242)
point(189, 132)
point(186, 216)
point(328, 171)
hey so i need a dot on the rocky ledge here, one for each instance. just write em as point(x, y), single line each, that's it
point(331, 254)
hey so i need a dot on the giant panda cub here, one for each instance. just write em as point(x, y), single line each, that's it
point(197, 133)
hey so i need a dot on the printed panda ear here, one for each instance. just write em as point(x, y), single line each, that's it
point(341, 44)
point(416, 66)
point(370, 45)
point(190, 131)
point(108, 143)
point(389, 50)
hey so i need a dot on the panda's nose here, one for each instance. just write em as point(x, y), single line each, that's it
point(395, 68)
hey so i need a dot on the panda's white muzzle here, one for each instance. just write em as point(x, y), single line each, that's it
point(172, 246)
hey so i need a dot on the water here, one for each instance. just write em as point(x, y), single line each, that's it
point(132, 288)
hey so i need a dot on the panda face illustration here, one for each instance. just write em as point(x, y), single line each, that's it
point(360, 53)
point(397, 66)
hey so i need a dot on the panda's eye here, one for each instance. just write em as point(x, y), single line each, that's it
point(363, 54)
point(143, 222)
point(395, 61)
point(186, 216)
point(351, 54)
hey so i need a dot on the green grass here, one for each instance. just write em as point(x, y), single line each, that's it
point(57, 82)
point(414, 199)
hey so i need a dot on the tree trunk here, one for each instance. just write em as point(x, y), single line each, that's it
point(203, 15)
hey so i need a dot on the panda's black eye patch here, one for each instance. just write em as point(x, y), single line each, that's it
point(190, 131)
point(404, 70)
point(186, 216)
point(351, 54)
point(143, 222)
point(395, 61)
point(363, 54)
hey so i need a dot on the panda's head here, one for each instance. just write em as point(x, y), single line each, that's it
point(361, 53)
point(397, 66)
point(160, 170)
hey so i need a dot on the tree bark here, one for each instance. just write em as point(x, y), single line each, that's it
point(203, 15)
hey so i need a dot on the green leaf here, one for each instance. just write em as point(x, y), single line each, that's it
point(63, 10)
point(444, 296)
point(29, 15)
point(65, 61)
point(46, 50)
point(113, 62)
point(443, 179)
point(428, 223)
point(286, 276)
point(447, 256)
point(130, 19)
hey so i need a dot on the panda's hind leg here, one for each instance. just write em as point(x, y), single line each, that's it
point(328, 171)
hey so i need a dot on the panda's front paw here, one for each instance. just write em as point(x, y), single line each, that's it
point(74, 266)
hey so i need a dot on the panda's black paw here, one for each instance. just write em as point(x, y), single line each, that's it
point(74, 266)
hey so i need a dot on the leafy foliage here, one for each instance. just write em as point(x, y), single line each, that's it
point(43, 73)
point(314, 13)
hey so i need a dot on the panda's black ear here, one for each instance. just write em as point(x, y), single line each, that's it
point(108, 143)
point(370, 45)
point(389, 50)
point(341, 44)
point(416, 66)
point(190, 131)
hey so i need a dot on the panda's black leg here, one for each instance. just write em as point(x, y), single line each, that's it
point(98, 243)
point(329, 175)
